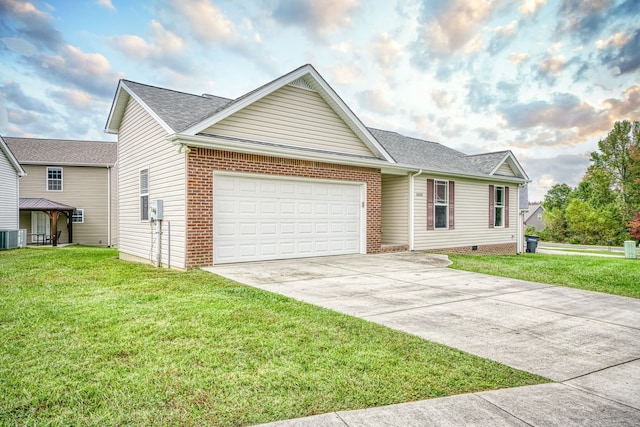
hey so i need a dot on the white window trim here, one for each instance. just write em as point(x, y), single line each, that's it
point(143, 216)
point(435, 204)
point(61, 178)
point(81, 214)
point(496, 206)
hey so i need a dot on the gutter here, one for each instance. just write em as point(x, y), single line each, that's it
point(248, 147)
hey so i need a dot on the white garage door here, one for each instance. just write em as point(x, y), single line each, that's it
point(263, 218)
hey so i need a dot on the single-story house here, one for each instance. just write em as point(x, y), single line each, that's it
point(70, 192)
point(10, 174)
point(288, 170)
point(535, 217)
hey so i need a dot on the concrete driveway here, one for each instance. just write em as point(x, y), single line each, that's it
point(587, 341)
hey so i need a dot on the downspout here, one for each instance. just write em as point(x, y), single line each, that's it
point(412, 195)
point(108, 206)
point(520, 232)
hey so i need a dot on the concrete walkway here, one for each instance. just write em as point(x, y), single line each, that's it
point(588, 342)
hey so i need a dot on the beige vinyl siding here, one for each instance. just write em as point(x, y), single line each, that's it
point(8, 194)
point(295, 117)
point(395, 210)
point(471, 216)
point(84, 187)
point(505, 170)
point(114, 206)
point(142, 144)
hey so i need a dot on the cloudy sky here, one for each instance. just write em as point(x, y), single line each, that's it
point(544, 78)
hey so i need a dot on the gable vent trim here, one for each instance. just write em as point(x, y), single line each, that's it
point(302, 84)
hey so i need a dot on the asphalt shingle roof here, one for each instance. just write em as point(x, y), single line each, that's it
point(61, 151)
point(39, 204)
point(181, 110)
point(178, 110)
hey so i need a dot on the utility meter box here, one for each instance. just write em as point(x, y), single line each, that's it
point(156, 210)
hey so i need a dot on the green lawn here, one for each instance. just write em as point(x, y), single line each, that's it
point(618, 276)
point(87, 339)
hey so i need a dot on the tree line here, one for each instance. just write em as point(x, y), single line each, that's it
point(604, 208)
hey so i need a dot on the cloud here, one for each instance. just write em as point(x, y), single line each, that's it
point(164, 49)
point(585, 19)
point(386, 51)
point(374, 100)
point(21, 46)
point(480, 95)
point(487, 134)
point(74, 68)
point(106, 3)
point(442, 98)
point(447, 27)
point(74, 98)
point(206, 21)
point(342, 47)
point(628, 107)
point(546, 172)
point(12, 93)
point(24, 21)
point(320, 17)
point(503, 35)
point(516, 58)
point(621, 52)
point(531, 7)
point(564, 112)
point(553, 65)
point(346, 74)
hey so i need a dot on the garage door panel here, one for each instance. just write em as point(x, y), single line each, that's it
point(261, 218)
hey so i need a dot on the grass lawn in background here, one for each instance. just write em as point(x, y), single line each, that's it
point(88, 339)
point(618, 276)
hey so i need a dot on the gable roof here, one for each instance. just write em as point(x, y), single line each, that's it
point(189, 115)
point(36, 151)
point(11, 157)
point(186, 116)
point(533, 209)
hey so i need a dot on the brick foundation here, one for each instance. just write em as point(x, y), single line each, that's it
point(202, 162)
point(499, 249)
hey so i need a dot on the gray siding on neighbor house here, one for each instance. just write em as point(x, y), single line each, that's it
point(395, 210)
point(471, 216)
point(292, 116)
point(83, 187)
point(142, 144)
point(9, 191)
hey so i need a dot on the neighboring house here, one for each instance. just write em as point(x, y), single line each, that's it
point(288, 170)
point(10, 174)
point(70, 187)
point(535, 217)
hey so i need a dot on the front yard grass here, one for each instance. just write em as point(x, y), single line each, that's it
point(618, 276)
point(87, 339)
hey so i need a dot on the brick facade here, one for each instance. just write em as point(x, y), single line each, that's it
point(202, 162)
point(497, 249)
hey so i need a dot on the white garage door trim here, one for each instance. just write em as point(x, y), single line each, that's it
point(263, 217)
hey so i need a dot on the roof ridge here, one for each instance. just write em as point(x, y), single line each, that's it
point(177, 91)
point(490, 152)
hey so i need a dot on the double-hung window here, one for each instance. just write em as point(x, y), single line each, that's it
point(441, 203)
point(499, 206)
point(144, 194)
point(78, 216)
point(54, 179)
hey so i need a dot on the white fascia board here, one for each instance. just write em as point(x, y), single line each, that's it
point(88, 165)
point(122, 94)
point(385, 167)
point(214, 143)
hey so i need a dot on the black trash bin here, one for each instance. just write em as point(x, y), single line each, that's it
point(532, 243)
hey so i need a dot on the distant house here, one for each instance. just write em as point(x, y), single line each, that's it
point(288, 170)
point(69, 193)
point(10, 174)
point(534, 218)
